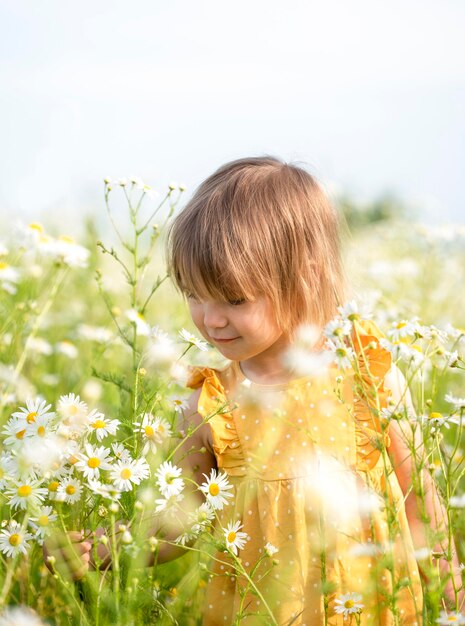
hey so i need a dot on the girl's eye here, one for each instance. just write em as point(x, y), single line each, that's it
point(236, 302)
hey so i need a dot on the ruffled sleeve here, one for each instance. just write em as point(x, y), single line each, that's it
point(370, 396)
point(213, 405)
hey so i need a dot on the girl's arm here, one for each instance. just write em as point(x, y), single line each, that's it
point(196, 458)
point(403, 438)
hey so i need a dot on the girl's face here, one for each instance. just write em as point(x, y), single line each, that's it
point(240, 330)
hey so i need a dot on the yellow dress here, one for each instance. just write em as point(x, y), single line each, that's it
point(310, 472)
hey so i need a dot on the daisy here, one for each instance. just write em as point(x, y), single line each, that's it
point(67, 348)
point(72, 407)
point(161, 349)
point(180, 404)
point(150, 433)
point(354, 311)
point(168, 479)
point(450, 618)
point(399, 350)
point(458, 402)
point(403, 329)
point(26, 493)
point(107, 491)
point(8, 469)
point(169, 504)
point(38, 428)
point(41, 523)
point(69, 490)
point(20, 616)
point(216, 489)
point(349, 603)
point(436, 420)
point(270, 549)
point(337, 328)
point(192, 340)
point(120, 452)
point(101, 426)
point(125, 474)
point(33, 409)
point(142, 327)
point(14, 432)
point(235, 539)
point(95, 459)
point(14, 540)
point(342, 355)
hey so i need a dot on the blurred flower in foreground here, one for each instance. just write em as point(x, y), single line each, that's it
point(450, 618)
point(193, 340)
point(20, 616)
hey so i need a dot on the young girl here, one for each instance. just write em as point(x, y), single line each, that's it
point(257, 253)
point(322, 523)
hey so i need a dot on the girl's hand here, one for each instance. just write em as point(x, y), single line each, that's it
point(67, 554)
point(71, 554)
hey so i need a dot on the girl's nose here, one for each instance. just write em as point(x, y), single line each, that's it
point(213, 317)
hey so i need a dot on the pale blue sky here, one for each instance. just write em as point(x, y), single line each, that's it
point(369, 94)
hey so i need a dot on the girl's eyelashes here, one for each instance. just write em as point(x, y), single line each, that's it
point(237, 302)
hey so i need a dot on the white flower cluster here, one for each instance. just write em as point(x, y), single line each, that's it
point(34, 239)
point(60, 457)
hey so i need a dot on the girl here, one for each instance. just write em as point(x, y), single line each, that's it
point(313, 481)
point(257, 253)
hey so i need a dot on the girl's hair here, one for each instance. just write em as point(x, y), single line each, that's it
point(261, 226)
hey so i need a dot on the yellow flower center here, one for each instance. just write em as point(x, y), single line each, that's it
point(93, 462)
point(72, 410)
point(401, 325)
point(24, 491)
point(53, 486)
point(3, 265)
point(126, 473)
point(149, 432)
point(15, 539)
point(348, 604)
point(231, 536)
point(66, 238)
point(41, 431)
point(38, 227)
point(98, 424)
point(20, 434)
point(435, 416)
point(161, 428)
point(70, 489)
point(31, 417)
point(72, 460)
point(43, 520)
point(2, 473)
point(214, 489)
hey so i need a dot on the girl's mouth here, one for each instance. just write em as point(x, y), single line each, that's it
point(224, 340)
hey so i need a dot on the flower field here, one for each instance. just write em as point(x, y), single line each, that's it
point(94, 350)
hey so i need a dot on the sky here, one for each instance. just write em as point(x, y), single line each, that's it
point(369, 95)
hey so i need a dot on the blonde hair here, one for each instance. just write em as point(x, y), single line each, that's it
point(261, 226)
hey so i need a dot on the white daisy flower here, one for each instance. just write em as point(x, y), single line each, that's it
point(39, 346)
point(125, 474)
point(411, 354)
point(67, 348)
point(69, 491)
point(193, 340)
point(95, 459)
point(14, 540)
point(33, 409)
point(20, 616)
point(402, 329)
point(100, 334)
point(142, 327)
point(354, 310)
point(41, 523)
point(450, 618)
point(235, 539)
point(348, 603)
point(161, 349)
point(459, 403)
point(8, 469)
point(39, 428)
point(169, 504)
point(216, 489)
point(120, 452)
point(337, 327)
point(14, 431)
point(270, 549)
point(168, 479)
point(65, 250)
point(107, 491)
point(342, 354)
point(72, 407)
point(435, 420)
point(150, 434)
point(26, 493)
point(180, 404)
point(101, 425)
